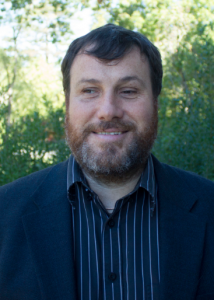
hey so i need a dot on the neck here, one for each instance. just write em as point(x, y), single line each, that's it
point(110, 192)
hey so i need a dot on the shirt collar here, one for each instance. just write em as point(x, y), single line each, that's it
point(147, 179)
point(74, 173)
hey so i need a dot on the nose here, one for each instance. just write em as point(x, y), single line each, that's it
point(109, 107)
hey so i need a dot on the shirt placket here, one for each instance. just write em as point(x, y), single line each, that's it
point(110, 259)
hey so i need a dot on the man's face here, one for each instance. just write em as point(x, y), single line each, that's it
point(111, 121)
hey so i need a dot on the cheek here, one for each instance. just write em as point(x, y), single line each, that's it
point(142, 114)
point(80, 114)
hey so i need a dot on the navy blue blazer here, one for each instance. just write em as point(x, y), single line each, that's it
point(36, 255)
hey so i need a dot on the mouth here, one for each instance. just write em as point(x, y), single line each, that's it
point(110, 133)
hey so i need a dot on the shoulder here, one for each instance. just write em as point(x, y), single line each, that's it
point(24, 187)
point(191, 179)
point(185, 189)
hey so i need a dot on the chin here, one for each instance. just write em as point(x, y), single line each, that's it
point(112, 161)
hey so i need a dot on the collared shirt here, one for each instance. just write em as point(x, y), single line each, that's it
point(116, 255)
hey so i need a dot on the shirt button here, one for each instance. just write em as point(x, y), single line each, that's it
point(112, 276)
point(111, 223)
point(90, 197)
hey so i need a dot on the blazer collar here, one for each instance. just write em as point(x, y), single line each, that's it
point(49, 235)
point(181, 234)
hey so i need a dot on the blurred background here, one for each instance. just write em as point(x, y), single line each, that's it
point(34, 36)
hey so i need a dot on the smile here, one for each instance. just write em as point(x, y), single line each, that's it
point(110, 133)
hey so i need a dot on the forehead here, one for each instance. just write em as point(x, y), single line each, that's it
point(133, 62)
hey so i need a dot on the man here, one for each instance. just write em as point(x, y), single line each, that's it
point(112, 222)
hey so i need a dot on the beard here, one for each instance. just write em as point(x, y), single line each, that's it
point(112, 162)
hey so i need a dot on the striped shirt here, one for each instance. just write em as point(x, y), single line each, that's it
point(116, 255)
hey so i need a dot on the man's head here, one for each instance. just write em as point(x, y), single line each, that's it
point(112, 78)
point(111, 42)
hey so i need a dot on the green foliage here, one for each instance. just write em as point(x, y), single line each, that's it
point(187, 107)
point(31, 98)
point(31, 144)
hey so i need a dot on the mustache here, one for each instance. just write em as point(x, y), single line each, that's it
point(103, 125)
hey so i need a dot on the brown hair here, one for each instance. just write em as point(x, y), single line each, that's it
point(111, 42)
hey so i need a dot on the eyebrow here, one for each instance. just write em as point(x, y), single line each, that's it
point(121, 80)
point(131, 78)
point(91, 80)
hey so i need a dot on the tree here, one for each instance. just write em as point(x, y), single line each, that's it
point(183, 31)
point(31, 99)
point(30, 85)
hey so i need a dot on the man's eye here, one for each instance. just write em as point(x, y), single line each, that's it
point(129, 93)
point(89, 91)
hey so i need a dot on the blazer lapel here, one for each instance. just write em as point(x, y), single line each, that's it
point(181, 237)
point(49, 236)
point(181, 251)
